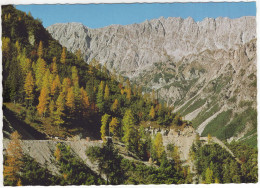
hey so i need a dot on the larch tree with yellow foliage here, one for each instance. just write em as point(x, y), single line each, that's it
point(28, 87)
point(56, 85)
point(158, 145)
point(13, 162)
point(152, 113)
point(113, 127)
point(106, 95)
point(84, 101)
point(66, 84)
point(59, 113)
point(40, 50)
point(43, 101)
point(114, 106)
point(54, 68)
point(63, 56)
point(70, 100)
point(40, 71)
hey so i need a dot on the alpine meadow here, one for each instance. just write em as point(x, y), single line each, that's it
point(164, 101)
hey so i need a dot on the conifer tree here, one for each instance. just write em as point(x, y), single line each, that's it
point(40, 71)
point(57, 153)
point(29, 86)
point(114, 106)
point(106, 95)
point(17, 46)
point(56, 85)
point(158, 145)
point(54, 66)
point(152, 113)
point(66, 84)
point(84, 101)
point(75, 77)
point(128, 128)
point(40, 50)
point(103, 129)
point(128, 93)
point(70, 100)
point(59, 113)
point(113, 127)
point(5, 46)
point(79, 54)
point(13, 163)
point(208, 176)
point(63, 56)
point(46, 80)
point(100, 97)
point(51, 108)
point(43, 101)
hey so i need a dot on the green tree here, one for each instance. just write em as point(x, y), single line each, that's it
point(158, 145)
point(106, 95)
point(208, 176)
point(100, 97)
point(103, 129)
point(128, 128)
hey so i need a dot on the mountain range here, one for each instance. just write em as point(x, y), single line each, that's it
point(206, 69)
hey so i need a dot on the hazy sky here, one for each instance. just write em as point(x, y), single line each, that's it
point(100, 15)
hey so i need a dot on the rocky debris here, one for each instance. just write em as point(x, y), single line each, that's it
point(43, 151)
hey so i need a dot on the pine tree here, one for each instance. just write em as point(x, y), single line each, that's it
point(63, 56)
point(113, 127)
point(28, 87)
point(43, 101)
point(103, 129)
point(13, 163)
point(106, 96)
point(152, 113)
point(40, 50)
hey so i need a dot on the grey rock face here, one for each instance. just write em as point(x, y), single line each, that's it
point(132, 48)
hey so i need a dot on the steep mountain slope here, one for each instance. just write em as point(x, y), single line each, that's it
point(206, 70)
